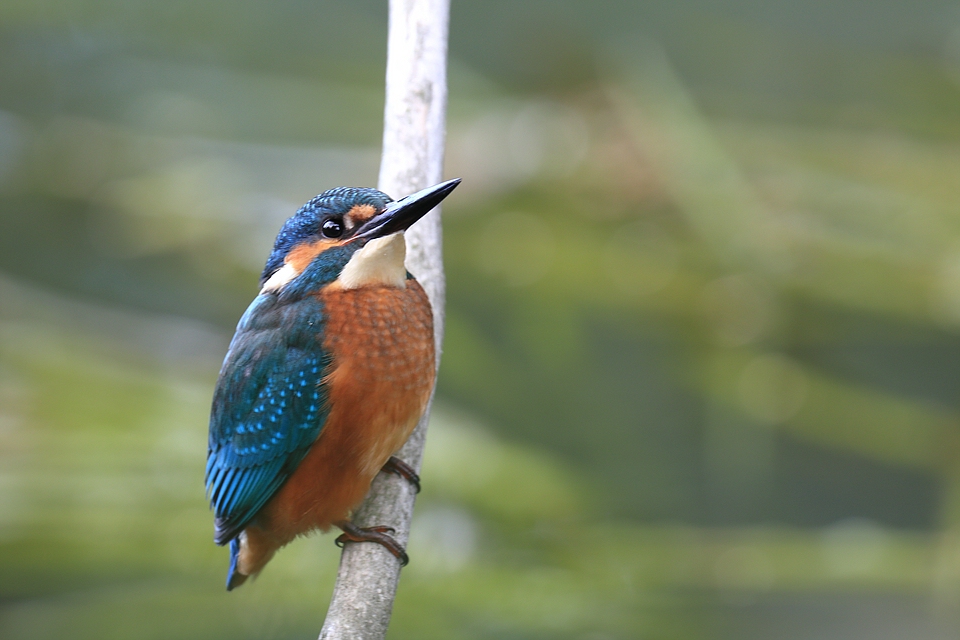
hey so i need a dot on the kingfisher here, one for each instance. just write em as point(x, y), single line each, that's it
point(330, 369)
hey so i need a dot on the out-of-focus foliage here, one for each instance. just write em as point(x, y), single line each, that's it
point(700, 376)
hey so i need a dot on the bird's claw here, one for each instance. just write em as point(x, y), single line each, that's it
point(378, 534)
point(399, 467)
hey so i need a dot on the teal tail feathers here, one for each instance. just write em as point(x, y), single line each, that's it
point(234, 577)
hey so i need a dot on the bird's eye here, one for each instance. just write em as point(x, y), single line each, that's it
point(332, 228)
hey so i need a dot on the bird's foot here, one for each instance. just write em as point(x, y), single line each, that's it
point(402, 469)
point(353, 533)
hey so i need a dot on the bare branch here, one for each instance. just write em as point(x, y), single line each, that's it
point(413, 140)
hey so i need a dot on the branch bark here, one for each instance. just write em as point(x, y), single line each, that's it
point(413, 142)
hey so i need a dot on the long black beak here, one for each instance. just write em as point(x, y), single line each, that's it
point(400, 214)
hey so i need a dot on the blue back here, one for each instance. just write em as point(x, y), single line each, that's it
point(270, 402)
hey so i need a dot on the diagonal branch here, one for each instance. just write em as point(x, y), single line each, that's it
point(413, 139)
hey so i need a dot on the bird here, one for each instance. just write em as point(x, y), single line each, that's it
point(330, 369)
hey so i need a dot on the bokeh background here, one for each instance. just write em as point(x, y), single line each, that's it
point(703, 343)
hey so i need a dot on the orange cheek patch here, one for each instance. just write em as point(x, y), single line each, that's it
point(302, 255)
point(361, 213)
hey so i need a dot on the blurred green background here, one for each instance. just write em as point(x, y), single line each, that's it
point(701, 367)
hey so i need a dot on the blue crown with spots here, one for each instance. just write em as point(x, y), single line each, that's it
point(306, 222)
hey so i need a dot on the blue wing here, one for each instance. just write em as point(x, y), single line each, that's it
point(269, 406)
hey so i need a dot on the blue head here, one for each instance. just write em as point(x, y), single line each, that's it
point(354, 226)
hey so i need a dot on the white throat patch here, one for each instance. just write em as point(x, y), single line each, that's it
point(284, 274)
point(379, 262)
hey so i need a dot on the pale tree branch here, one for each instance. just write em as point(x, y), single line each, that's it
point(413, 140)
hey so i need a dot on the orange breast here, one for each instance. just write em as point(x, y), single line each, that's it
point(381, 340)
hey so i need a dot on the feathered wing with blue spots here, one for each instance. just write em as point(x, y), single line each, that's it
point(269, 406)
